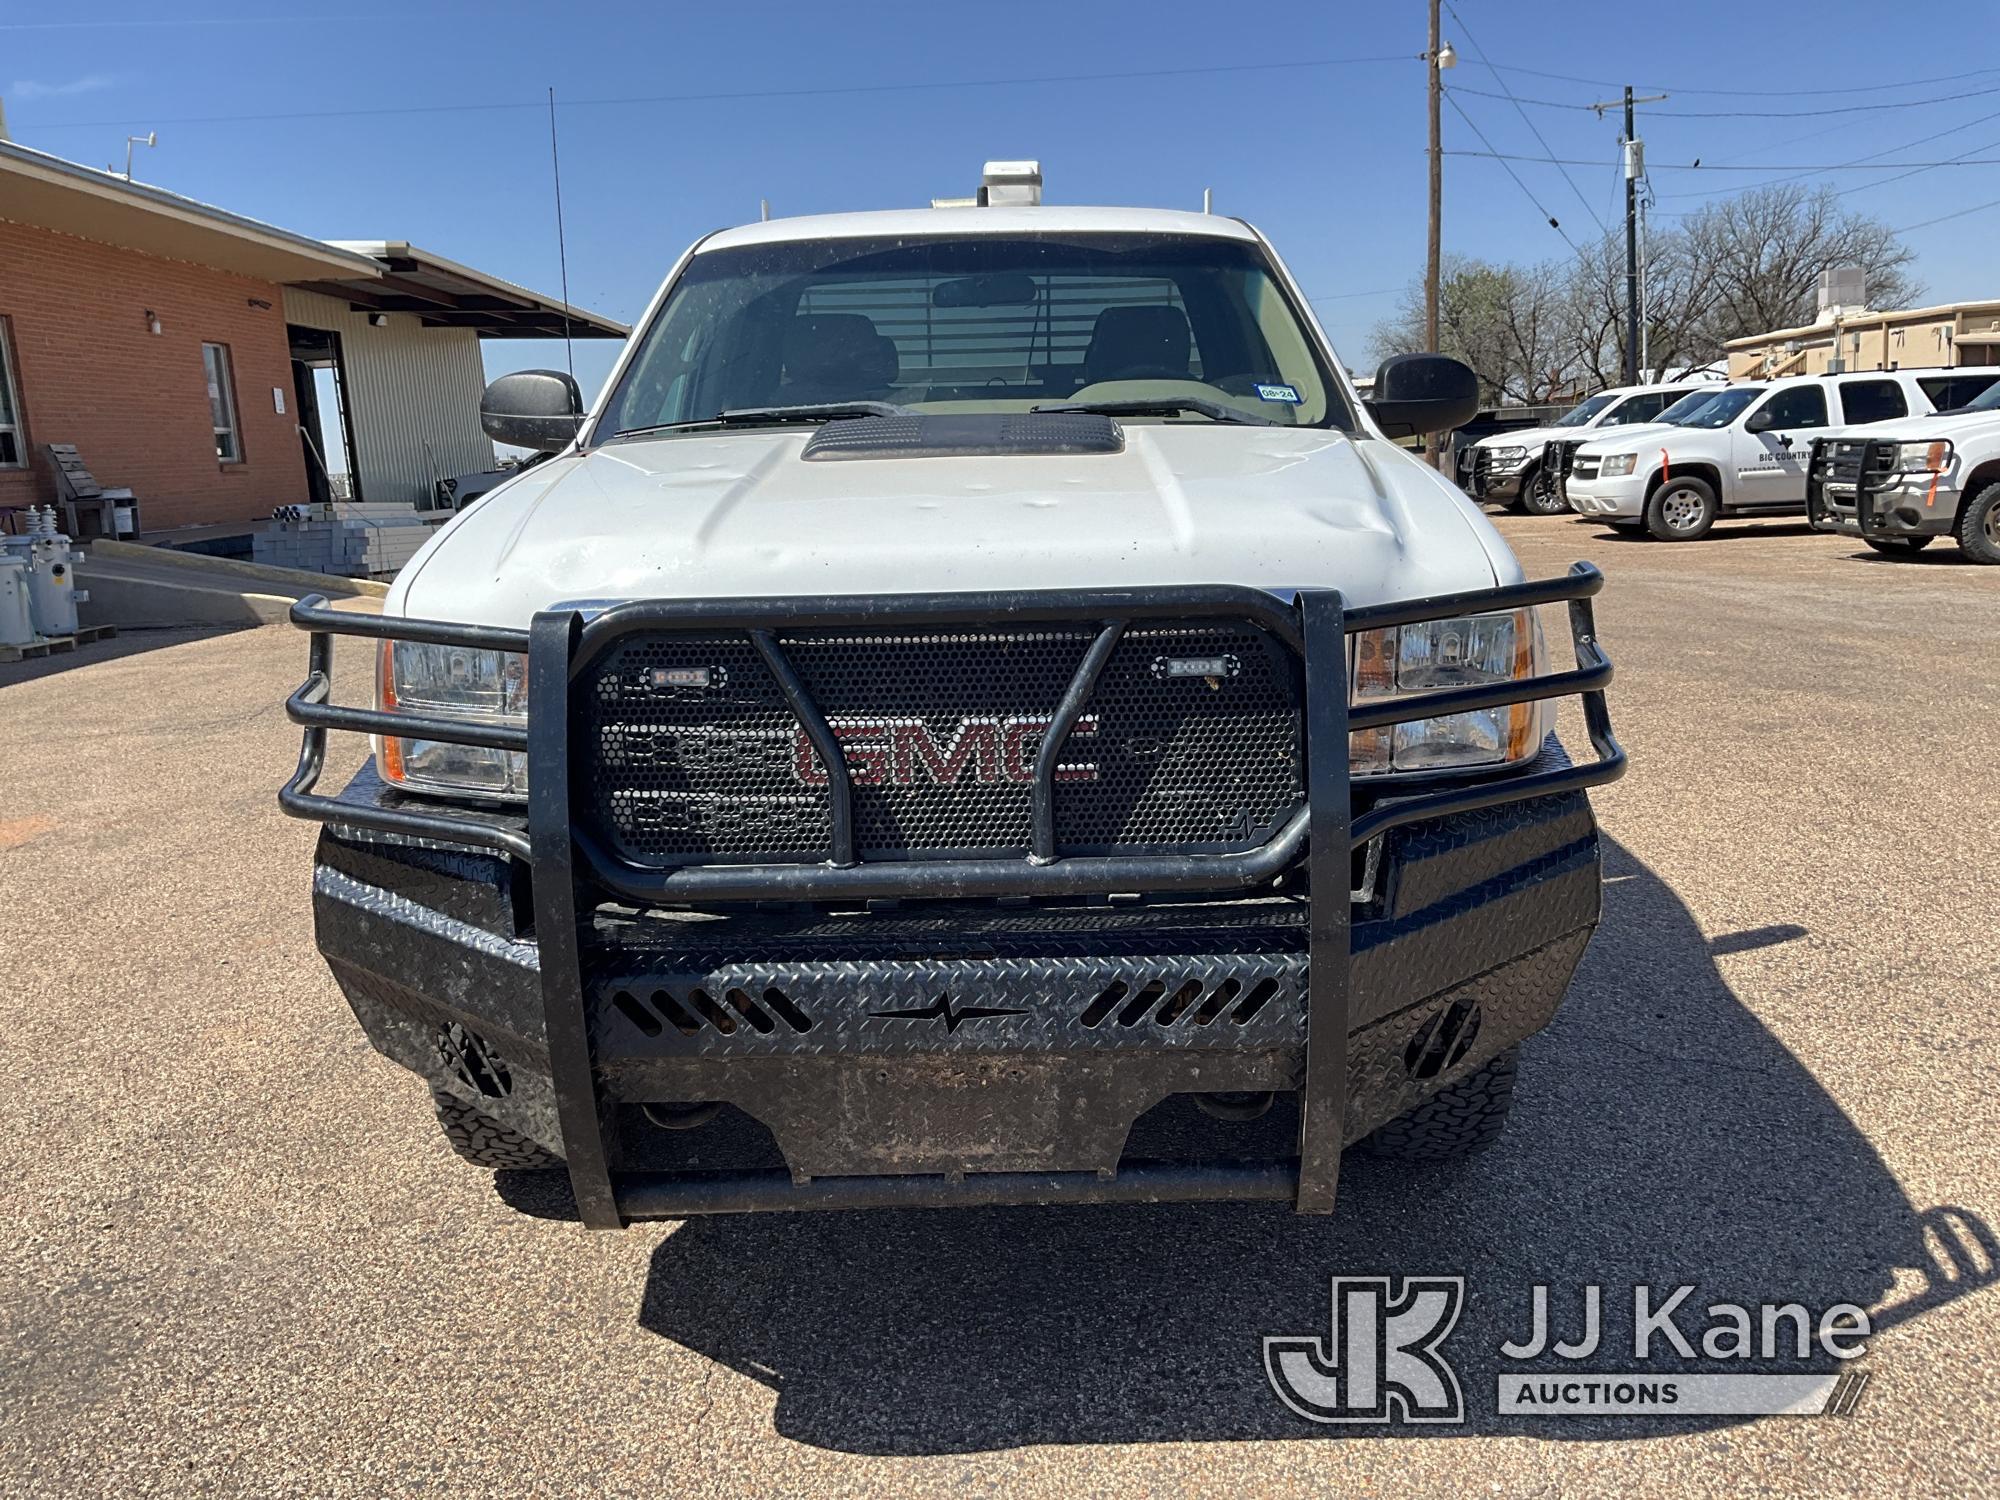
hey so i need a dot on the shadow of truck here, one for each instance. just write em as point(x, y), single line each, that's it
point(1662, 1135)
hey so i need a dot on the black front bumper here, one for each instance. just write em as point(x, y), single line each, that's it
point(990, 1031)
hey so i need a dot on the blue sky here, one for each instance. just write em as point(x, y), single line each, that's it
point(427, 123)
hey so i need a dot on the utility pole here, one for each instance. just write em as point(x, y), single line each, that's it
point(1631, 246)
point(1436, 59)
point(1635, 168)
point(1437, 191)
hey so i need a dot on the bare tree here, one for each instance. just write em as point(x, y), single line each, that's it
point(1742, 265)
point(1679, 303)
point(1509, 323)
point(1761, 254)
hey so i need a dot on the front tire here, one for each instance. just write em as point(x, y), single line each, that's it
point(1542, 496)
point(1898, 546)
point(1681, 510)
point(1979, 526)
point(484, 1141)
point(1461, 1119)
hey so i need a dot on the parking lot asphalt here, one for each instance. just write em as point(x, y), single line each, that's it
point(237, 1256)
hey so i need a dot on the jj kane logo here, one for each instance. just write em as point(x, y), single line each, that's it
point(1380, 1362)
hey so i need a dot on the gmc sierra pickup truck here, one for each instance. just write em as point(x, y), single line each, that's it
point(975, 679)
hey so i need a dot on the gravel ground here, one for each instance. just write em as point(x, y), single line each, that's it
point(237, 1255)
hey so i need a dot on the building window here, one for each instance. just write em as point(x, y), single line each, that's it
point(222, 403)
point(13, 451)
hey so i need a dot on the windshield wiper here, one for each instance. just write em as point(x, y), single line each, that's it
point(1161, 406)
point(774, 416)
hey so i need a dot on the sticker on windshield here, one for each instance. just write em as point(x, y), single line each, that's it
point(1279, 393)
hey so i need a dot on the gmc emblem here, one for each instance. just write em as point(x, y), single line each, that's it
point(905, 752)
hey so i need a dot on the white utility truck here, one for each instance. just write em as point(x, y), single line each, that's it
point(979, 711)
point(1515, 466)
point(1742, 452)
point(1901, 485)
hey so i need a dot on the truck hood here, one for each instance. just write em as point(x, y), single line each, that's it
point(722, 515)
point(1956, 427)
point(1635, 437)
point(1529, 437)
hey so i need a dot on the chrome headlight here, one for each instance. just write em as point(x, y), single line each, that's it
point(1617, 465)
point(1508, 455)
point(1923, 458)
point(1471, 651)
point(452, 682)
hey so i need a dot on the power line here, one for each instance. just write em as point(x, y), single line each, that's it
point(1943, 218)
point(1760, 93)
point(1876, 156)
point(1349, 296)
point(1506, 162)
point(1747, 114)
point(737, 94)
point(1547, 150)
point(1697, 166)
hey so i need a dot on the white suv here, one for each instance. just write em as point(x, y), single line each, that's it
point(1743, 451)
point(1514, 466)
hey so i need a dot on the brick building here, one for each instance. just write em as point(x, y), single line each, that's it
point(187, 352)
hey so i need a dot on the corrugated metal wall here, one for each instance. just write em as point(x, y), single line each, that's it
point(413, 393)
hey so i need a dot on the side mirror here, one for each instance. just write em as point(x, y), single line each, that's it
point(536, 409)
point(1760, 421)
point(1420, 393)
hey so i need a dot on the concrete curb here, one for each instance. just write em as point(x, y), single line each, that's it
point(297, 577)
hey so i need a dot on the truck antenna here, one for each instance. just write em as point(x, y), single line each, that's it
point(562, 250)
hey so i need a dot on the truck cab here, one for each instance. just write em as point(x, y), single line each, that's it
point(1522, 468)
point(975, 680)
point(1743, 452)
point(1899, 486)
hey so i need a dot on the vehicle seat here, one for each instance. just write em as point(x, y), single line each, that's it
point(838, 357)
point(1138, 343)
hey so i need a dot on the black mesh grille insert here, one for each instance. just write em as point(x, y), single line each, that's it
point(688, 751)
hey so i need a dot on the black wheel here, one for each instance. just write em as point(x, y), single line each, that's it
point(1462, 1119)
point(1979, 526)
point(1898, 546)
point(484, 1141)
point(1681, 510)
point(1542, 496)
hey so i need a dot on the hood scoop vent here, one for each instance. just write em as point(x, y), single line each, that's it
point(974, 435)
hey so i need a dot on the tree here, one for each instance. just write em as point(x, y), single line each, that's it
point(1509, 323)
point(1678, 307)
point(1761, 253)
point(1739, 266)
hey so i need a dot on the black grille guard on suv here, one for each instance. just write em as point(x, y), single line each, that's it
point(572, 872)
point(1870, 469)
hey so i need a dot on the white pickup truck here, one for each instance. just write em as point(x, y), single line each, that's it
point(1742, 452)
point(977, 678)
point(1901, 485)
point(1514, 466)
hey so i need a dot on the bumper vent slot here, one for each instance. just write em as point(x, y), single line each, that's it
point(1191, 1003)
point(696, 1009)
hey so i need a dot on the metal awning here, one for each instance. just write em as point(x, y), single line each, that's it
point(444, 294)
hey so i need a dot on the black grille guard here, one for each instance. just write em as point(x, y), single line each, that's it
point(567, 875)
point(562, 643)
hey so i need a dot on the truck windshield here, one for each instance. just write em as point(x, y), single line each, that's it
point(1688, 405)
point(1579, 416)
point(977, 323)
point(1986, 400)
point(1720, 409)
